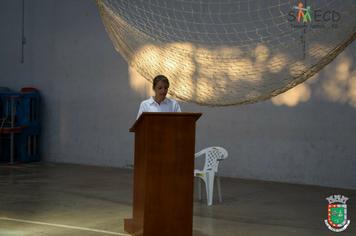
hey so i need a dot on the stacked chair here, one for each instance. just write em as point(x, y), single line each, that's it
point(19, 125)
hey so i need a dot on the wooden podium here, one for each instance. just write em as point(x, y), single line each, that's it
point(163, 174)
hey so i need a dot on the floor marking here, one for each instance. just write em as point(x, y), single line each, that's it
point(63, 226)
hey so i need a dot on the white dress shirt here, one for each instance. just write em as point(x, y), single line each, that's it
point(150, 105)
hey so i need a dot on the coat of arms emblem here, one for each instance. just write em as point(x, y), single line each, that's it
point(337, 213)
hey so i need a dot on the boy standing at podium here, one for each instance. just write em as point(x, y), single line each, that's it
point(159, 102)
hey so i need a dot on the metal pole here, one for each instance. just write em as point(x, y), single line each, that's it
point(23, 30)
point(12, 126)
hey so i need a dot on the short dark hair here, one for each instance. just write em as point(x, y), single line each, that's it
point(160, 78)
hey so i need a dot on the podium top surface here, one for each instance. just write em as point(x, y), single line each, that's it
point(145, 114)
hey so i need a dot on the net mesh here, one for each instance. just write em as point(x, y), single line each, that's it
point(223, 52)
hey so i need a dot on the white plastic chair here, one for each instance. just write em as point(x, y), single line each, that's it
point(212, 157)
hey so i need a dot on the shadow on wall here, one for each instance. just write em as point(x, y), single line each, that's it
point(140, 84)
point(335, 83)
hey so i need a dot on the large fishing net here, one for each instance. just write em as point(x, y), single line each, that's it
point(224, 52)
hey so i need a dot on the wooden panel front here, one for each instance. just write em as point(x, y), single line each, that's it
point(163, 176)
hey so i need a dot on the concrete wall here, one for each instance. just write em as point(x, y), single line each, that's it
point(90, 98)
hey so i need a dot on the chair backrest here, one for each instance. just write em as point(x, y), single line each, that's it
point(212, 157)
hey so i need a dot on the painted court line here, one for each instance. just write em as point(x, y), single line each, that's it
point(63, 226)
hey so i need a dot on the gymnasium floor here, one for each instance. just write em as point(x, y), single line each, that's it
point(56, 199)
